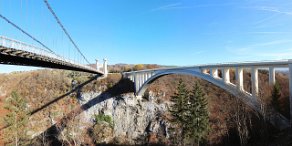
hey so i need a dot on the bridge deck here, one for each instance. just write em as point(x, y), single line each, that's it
point(13, 56)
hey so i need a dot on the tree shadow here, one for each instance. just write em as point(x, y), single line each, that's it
point(122, 87)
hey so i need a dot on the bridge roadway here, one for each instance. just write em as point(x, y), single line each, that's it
point(14, 52)
point(143, 78)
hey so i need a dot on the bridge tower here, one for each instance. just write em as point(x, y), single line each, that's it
point(97, 64)
point(102, 67)
point(105, 71)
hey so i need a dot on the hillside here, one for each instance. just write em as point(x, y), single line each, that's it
point(50, 99)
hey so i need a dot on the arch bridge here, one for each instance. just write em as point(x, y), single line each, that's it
point(143, 78)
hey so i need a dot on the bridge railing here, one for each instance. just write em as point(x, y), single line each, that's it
point(14, 44)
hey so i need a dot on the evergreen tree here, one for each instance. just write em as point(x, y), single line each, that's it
point(190, 114)
point(178, 112)
point(16, 119)
point(180, 100)
point(276, 94)
point(198, 118)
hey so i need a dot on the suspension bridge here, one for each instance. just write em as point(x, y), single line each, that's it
point(15, 52)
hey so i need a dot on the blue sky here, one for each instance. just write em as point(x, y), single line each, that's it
point(168, 32)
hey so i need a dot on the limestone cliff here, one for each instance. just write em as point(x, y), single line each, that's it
point(134, 121)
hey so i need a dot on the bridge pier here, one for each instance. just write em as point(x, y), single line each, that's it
point(226, 76)
point(214, 72)
point(254, 81)
point(136, 82)
point(140, 80)
point(272, 79)
point(146, 76)
point(143, 78)
point(149, 75)
point(239, 78)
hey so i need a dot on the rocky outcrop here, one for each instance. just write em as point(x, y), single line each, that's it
point(133, 120)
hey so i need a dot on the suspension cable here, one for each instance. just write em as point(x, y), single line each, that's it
point(63, 28)
point(26, 33)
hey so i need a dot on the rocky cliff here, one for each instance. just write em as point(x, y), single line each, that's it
point(134, 120)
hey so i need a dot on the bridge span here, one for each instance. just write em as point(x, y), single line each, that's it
point(13, 52)
point(143, 78)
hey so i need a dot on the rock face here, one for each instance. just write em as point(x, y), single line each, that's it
point(134, 120)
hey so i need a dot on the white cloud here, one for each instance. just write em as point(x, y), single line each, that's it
point(273, 9)
point(166, 7)
point(175, 6)
point(260, 50)
point(261, 21)
point(268, 32)
point(276, 42)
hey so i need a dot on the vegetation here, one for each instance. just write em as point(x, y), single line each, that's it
point(119, 68)
point(276, 94)
point(138, 67)
point(103, 128)
point(103, 118)
point(190, 115)
point(198, 119)
point(17, 119)
point(179, 111)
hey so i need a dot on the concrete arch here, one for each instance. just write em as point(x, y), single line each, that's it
point(231, 88)
point(246, 97)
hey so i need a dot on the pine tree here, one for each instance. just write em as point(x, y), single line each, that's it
point(190, 114)
point(16, 119)
point(178, 111)
point(198, 118)
point(180, 100)
point(276, 94)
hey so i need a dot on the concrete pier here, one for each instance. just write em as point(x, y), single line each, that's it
point(214, 72)
point(226, 76)
point(137, 82)
point(239, 78)
point(254, 81)
point(272, 79)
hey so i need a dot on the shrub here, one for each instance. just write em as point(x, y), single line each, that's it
point(103, 118)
